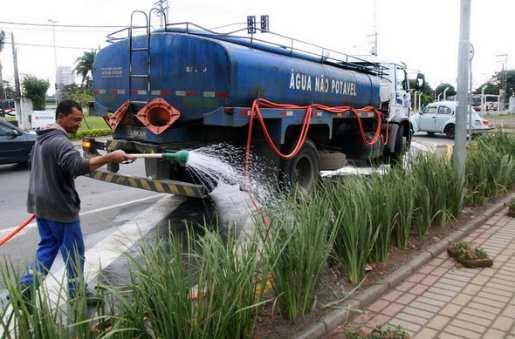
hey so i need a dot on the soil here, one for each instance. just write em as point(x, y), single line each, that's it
point(334, 287)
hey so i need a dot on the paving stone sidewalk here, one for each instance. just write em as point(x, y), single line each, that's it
point(444, 300)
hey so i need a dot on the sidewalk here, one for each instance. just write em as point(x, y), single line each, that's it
point(443, 300)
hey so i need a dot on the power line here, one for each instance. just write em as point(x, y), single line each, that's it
point(62, 30)
point(50, 46)
point(58, 25)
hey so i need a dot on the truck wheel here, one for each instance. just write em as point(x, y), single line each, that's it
point(401, 145)
point(449, 131)
point(303, 171)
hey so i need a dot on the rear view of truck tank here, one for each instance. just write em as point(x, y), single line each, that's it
point(190, 76)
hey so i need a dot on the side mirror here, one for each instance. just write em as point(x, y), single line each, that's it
point(13, 133)
point(420, 81)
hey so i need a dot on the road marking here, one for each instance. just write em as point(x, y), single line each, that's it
point(105, 252)
point(108, 250)
point(96, 210)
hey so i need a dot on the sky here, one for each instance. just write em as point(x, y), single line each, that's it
point(422, 33)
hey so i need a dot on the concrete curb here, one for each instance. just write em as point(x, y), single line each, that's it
point(344, 311)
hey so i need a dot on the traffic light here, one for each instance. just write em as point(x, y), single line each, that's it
point(251, 24)
point(265, 24)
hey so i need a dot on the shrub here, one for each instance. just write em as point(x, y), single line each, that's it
point(207, 295)
point(489, 167)
point(356, 235)
point(98, 132)
point(298, 242)
point(35, 89)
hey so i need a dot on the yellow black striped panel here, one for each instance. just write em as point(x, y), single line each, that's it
point(161, 186)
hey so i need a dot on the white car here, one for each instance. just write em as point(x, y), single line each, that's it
point(439, 117)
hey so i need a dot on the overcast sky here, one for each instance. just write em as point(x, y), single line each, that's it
point(422, 33)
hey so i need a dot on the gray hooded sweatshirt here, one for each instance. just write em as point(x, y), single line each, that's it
point(55, 164)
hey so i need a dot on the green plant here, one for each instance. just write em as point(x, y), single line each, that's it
point(511, 208)
point(437, 177)
point(31, 313)
point(490, 167)
point(396, 332)
point(213, 294)
point(297, 243)
point(480, 253)
point(35, 89)
point(356, 235)
point(462, 250)
point(92, 133)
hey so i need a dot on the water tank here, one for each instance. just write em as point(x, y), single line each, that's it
point(199, 73)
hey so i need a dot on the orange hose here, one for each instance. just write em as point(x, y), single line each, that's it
point(260, 102)
point(17, 229)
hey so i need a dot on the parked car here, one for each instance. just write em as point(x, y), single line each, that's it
point(15, 144)
point(439, 117)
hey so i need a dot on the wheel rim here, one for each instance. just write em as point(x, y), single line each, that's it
point(303, 173)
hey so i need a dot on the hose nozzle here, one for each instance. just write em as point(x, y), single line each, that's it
point(180, 157)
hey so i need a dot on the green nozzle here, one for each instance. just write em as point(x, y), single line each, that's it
point(181, 157)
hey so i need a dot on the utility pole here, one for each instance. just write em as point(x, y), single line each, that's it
point(373, 51)
point(503, 59)
point(460, 136)
point(17, 90)
point(53, 22)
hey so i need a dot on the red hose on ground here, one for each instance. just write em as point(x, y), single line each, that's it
point(17, 229)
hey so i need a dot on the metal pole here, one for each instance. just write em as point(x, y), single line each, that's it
point(483, 100)
point(460, 135)
point(445, 93)
point(420, 101)
point(53, 22)
point(17, 90)
point(469, 107)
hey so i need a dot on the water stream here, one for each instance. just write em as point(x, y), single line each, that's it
point(238, 197)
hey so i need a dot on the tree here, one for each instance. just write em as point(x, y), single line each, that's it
point(427, 92)
point(35, 89)
point(84, 66)
point(497, 82)
point(440, 88)
point(82, 95)
point(509, 75)
point(8, 90)
point(491, 88)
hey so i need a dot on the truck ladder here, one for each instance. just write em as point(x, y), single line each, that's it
point(147, 76)
point(133, 50)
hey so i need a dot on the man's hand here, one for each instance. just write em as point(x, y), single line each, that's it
point(119, 156)
point(116, 156)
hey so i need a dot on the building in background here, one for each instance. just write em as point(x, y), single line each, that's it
point(64, 76)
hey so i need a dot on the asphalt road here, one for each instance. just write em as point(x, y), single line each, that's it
point(104, 206)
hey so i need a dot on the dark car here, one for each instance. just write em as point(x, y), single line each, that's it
point(15, 144)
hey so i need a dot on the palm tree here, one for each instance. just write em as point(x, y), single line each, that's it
point(84, 65)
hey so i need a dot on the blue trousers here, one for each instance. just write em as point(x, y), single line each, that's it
point(54, 237)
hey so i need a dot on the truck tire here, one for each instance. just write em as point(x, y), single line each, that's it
point(303, 171)
point(401, 145)
point(449, 131)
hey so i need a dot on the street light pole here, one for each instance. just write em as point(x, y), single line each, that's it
point(460, 135)
point(53, 22)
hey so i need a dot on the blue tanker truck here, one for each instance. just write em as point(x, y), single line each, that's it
point(183, 87)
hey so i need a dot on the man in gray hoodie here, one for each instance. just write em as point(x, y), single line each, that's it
point(53, 199)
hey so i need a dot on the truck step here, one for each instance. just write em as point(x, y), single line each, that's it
point(161, 186)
